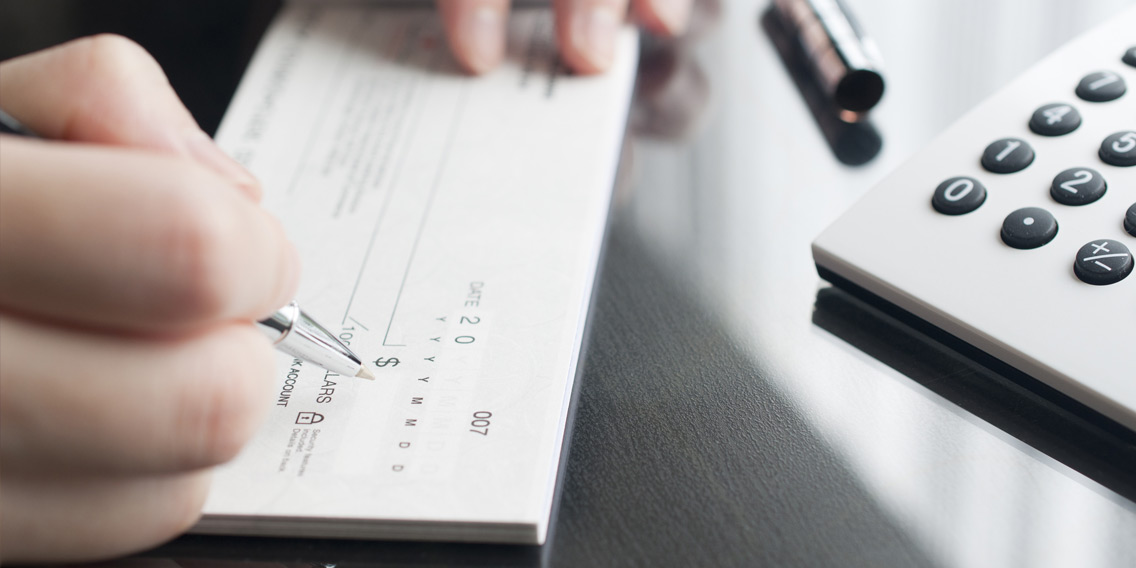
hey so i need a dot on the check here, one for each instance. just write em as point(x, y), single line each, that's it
point(450, 228)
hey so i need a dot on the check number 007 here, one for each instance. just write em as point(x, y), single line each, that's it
point(480, 423)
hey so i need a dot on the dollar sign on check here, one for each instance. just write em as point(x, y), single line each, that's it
point(380, 362)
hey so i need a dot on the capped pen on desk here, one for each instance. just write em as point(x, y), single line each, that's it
point(835, 67)
point(844, 60)
point(290, 329)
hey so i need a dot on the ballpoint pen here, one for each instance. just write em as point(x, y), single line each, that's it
point(293, 332)
point(290, 329)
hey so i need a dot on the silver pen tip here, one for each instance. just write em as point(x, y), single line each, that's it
point(365, 373)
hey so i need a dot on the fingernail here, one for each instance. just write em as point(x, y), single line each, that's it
point(674, 14)
point(593, 34)
point(207, 153)
point(482, 37)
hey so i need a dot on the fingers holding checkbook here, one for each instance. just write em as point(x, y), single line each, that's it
point(586, 30)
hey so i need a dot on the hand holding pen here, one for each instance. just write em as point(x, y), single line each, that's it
point(289, 328)
point(132, 259)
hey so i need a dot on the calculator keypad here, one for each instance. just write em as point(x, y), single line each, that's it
point(1099, 262)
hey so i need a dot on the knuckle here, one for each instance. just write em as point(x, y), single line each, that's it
point(115, 54)
point(198, 243)
point(224, 406)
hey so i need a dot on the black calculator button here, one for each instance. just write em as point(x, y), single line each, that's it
point(1100, 87)
point(958, 195)
point(1119, 149)
point(1130, 56)
point(1103, 262)
point(1130, 220)
point(1007, 156)
point(1078, 186)
point(1029, 228)
point(1055, 119)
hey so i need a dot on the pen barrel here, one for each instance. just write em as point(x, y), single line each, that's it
point(845, 61)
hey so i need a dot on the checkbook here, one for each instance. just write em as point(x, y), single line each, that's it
point(450, 229)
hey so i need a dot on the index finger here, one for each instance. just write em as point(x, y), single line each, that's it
point(132, 240)
point(107, 89)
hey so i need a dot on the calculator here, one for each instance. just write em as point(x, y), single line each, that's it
point(1014, 230)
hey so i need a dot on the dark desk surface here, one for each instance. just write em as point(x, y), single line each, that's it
point(734, 409)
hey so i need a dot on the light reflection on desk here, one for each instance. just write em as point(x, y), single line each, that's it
point(732, 215)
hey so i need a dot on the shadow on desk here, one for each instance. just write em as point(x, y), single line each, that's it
point(1016, 404)
point(254, 552)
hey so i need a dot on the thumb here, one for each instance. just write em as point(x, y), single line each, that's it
point(106, 89)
